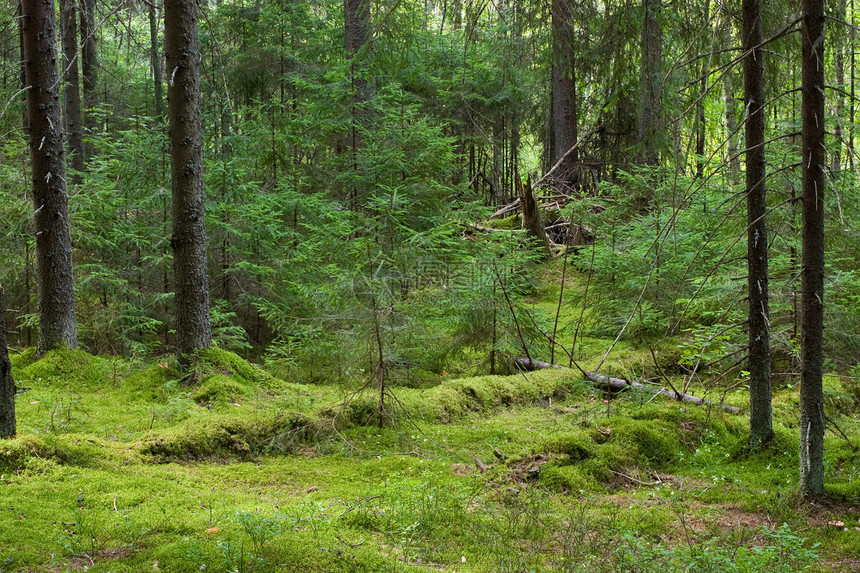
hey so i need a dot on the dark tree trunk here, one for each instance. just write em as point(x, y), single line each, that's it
point(193, 330)
point(700, 104)
point(50, 199)
point(650, 97)
point(155, 61)
point(812, 259)
point(761, 424)
point(356, 24)
point(7, 384)
point(72, 87)
point(564, 112)
point(89, 69)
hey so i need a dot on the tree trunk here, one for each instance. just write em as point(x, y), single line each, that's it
point(564, 113)
point(650, 97)
point(701, 132)
point(838, 93)
point(90, 69)
point(457, 19)
point(155, 62)
point(7, 384)
point(730, 115)
point(72, 87)
point(812, 283)
point(53, 237)
point(761, 424)
point(356, 23)
point(182, 55)
point(532, 221)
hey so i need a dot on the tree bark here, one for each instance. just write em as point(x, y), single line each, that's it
point(761, 424)
point(7, 384)
point(50, 199)
point(72, 87)
point(651, 79)
point(356, 24)
point(89, 69)
point(730, 114)
point(532, 221)
point(838, 93)
point(812, 258)
point(155, 62)
point(564, 112)
point(193, 330)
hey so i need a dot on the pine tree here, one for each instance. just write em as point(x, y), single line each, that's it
point(761, 424)
point(7, 384)
point(812, 282)
point(193, 329)
point(51, 202)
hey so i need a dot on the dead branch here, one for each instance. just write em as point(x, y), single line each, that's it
point(611, 384)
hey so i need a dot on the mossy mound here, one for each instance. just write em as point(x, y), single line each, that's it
point(223, 436)
point(67, 368)
point(220, 389)
point(39, 453)
point(454, 399)
point(651, 438)
point(22, 359)
point(220, 377)
point(214, 359)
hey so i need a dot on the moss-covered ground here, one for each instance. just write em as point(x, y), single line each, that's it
point(126, 465)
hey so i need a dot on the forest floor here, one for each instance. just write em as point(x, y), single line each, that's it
point(121, 465)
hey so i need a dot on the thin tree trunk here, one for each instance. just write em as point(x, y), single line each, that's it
point(89, 69)
point(651, 80)
point(839, 72)
point(71, 87)
point(50, 199)
point(700, 104)
point(730, 115)
point(7, 384)
point(812, 283)
point(193, 330)
point(564, 120)
point(155, 62)
point(761, 423)
point(356, 23)
point(852, 34)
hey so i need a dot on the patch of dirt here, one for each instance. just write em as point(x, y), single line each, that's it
point(84, 562)
point(527, 469)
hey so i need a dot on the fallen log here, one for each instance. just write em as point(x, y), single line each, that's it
point(611, 384)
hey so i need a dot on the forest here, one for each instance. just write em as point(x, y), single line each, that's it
point(439, 285)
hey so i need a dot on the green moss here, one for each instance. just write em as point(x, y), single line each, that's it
point(219, 389)
point(69, 369)
point(22, 359)
point(232, 364)
point(566, 478)
point(577, 446)
point(30, 453)
point(506, 223)
point(453, 399)
point(225, 436)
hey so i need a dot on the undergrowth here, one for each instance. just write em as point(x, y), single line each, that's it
point(126, 466)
